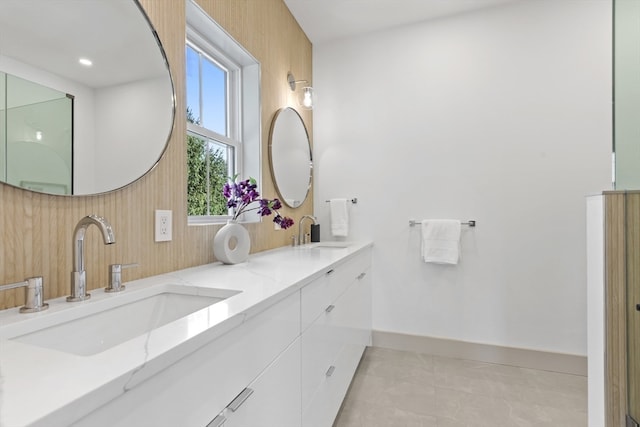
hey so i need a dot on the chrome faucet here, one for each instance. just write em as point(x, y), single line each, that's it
point(301, 235)
point(78, 275)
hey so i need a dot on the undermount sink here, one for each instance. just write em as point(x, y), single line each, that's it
point(329, 246)
point(113, 322)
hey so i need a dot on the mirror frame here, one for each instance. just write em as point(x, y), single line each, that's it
point(272, 169)
point(170, 130)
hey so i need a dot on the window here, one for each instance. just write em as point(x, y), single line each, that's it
point(223, 115)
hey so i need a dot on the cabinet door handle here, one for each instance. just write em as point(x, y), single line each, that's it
point(217, 421)
point(330, 370)
point(361, 275)
point(330, 308)
point(330, 272)
point(638, 307)
point(239, 400)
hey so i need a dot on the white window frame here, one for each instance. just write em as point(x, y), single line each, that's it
point(243, 89)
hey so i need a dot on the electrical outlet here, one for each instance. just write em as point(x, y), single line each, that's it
point(163, 226)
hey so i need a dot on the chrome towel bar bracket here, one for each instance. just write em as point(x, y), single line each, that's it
point(353, 201)
point(470, 223)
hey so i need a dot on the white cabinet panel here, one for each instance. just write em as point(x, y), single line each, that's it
point(331, 392)
point(195, 389)
point(275, 400)
point(320, 293)
point(314, 299)
point(319, 350)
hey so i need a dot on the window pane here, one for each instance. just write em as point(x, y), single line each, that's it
point(209, 165)
point(219, 156)
point(214, 95)
point(197, 197)
point(193, 86)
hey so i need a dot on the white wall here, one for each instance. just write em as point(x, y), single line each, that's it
point(502, 116)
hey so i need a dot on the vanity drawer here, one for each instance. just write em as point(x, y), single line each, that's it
point(346, 325)
point(192, 391)
point(328, 397)
point(322, 292)
point(320, 347)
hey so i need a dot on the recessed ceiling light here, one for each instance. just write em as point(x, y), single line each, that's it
point(86, 62)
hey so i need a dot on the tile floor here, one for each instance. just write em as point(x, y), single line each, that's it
point(405, 389)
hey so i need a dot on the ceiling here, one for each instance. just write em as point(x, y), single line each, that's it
point(326, 20)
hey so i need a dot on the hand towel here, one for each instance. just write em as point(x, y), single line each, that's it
point(339, 217)
point(441, 241)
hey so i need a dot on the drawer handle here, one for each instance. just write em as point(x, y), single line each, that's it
point(217, 421)
point(330, 308)
point(361, 276)
point(330, 272)
point(330, 370)
point(239, 400)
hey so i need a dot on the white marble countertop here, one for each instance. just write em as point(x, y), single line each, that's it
point(45, 387)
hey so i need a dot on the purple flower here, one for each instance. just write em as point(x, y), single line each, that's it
point(265, 208)
point(241, 194)
point(283, 221)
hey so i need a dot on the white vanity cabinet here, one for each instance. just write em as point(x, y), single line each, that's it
point(336, 328)
point(289, 365)
point(193, 391)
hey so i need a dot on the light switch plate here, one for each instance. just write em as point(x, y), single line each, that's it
point(163, 225)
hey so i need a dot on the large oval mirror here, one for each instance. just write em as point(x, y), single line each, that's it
point(290, 157)
point(87, 102)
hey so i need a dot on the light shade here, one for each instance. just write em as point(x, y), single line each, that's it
point(307, 98)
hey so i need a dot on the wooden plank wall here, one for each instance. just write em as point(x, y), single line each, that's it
point(615, 313)
point(36, 229)
point(633, 298)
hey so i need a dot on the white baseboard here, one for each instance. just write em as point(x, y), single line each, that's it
point(524, 358)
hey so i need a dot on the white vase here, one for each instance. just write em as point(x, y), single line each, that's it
point(232, 243)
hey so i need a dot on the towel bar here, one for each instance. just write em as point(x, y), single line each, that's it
point(470, 223)
point(354, 200)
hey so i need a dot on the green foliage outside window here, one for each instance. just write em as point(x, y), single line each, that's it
point(204, 196)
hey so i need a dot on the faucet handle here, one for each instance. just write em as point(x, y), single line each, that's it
point(115, 277)
point(33, 294)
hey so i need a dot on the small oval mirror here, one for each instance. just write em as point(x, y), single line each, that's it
point(290, 157)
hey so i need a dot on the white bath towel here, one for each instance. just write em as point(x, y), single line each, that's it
point(441, 241)
point(339, 217)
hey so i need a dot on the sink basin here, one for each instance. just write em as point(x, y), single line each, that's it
point(329, 246)
point(115, 322)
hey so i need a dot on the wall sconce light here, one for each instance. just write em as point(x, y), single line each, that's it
point(306, 98)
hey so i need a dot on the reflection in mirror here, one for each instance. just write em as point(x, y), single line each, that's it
point(36, 136)
point(122, 105)
point(290, 157)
